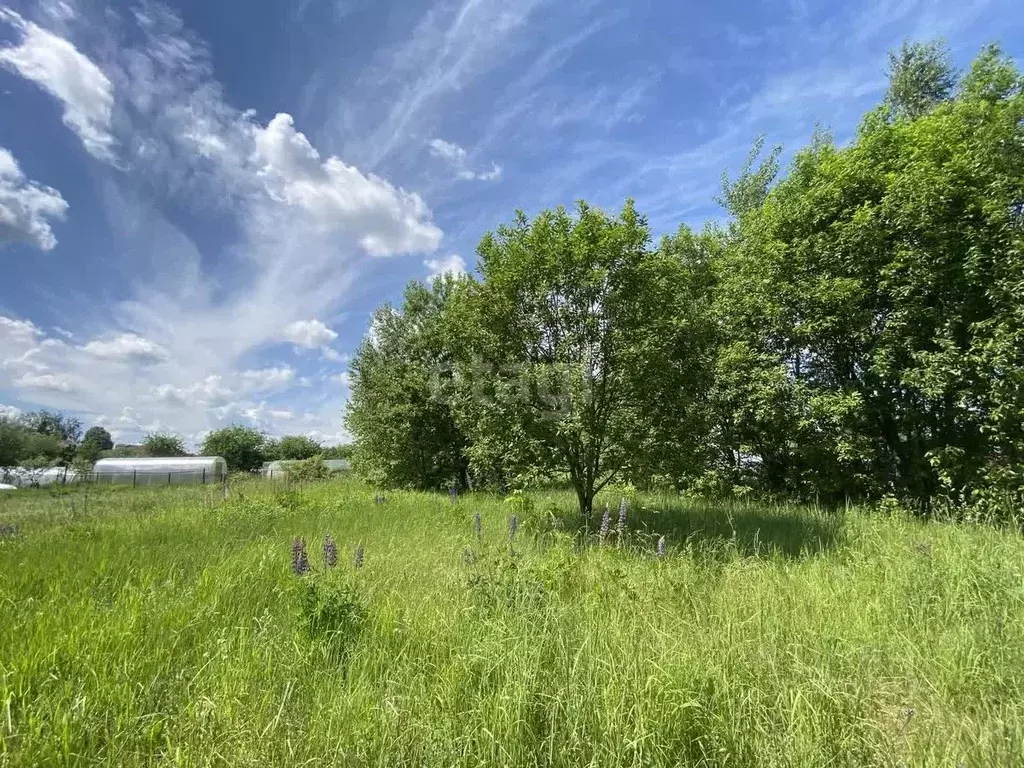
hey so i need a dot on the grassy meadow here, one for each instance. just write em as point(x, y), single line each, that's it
point(166, 627)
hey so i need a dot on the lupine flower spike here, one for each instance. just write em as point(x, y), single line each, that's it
point(453, 493)
point(478, 526)
point(300, 561)
point(661, 547)
point(359, 556)
point(621, 527)
point(513, 526)
point(606, 522)
point(330, 551)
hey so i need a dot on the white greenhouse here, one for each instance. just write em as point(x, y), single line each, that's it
point(279, 469)
point(4, 487)
point(22, 477)
point(183, 470)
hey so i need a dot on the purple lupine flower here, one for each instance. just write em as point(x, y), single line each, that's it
point(378, 499)
point(8, 531)
point(621, 527)
point(1017, 213)
point(453, 494)
point(513, 526)
point(330, 551)
point(661, 547)
point(478, 528)
point(468, 556)
point(300, 561)
point(606, 522)
point(359, 556)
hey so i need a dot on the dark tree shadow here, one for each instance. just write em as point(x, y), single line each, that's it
point(717, 529)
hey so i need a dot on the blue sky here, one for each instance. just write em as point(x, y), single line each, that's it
point(202, 202)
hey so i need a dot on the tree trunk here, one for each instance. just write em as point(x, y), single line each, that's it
point(585, 496)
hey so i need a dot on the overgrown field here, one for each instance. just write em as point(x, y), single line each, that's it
point(166, 627)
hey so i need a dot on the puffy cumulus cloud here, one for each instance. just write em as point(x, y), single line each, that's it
point(267, 416)
point(309, 333)
point(9, 412)
point(56, 66)
point(339, 197)
point(17, 335)
point(48, 381)
point(268, 378)
point(26, 208)
point(126, 347)
point(452, 264)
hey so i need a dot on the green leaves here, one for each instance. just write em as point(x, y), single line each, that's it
point(575, 336)
point(400, 409)
point(884, 277)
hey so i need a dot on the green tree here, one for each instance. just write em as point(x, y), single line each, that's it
point(872, 305)
point(344, 451)
point(67, 428)
point(399, 411)
point(12, 442)
point(164, 445)
point(581, 351)
point(243, 448)
point(95, 441)
point(98, 437)
point(921, 76)
point(297, 447)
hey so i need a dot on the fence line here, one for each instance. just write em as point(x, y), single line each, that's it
point(134, 478)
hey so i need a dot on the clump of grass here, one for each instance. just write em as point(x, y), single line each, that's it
point(170, 629)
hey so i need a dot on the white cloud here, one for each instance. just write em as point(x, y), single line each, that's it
point(340, 197)
point(127, 347)
point(268, 378)
point(50, 381)
point(26, 207)
point(309, 333)
point(332, 355)
point(9, 412)
point(458, 158)
point(307, 223)
point(452, 265)
point(446, 150)
point(492, 175)
point(57, 67)
point(266, 416)
point(341, 378)
point(17, 334)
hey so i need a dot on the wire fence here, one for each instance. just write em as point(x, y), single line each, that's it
point(134, 478)
point(60, 476)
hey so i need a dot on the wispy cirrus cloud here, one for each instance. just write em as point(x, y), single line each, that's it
point(458, 159)
point(306, 222)
point(258, 241)
point(56, 66)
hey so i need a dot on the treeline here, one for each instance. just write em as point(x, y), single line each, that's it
point(47, 439)
point(855, 329)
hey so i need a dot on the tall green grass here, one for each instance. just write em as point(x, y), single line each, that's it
point(165, 627)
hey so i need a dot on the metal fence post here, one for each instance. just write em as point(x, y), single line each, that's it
point(168, 478)
point(204, 475)
point(135, 473)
